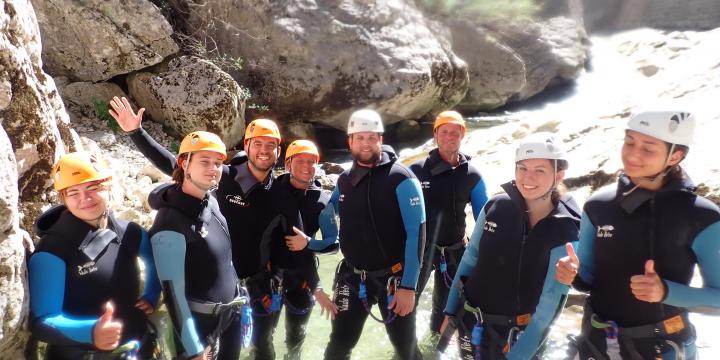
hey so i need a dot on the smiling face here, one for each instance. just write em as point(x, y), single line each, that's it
point(448, 137)
point(87, 201)
point(302, 167)
point(262, 152)
point(645, 156)
point(534, 177)
point(365, 147)
point(205, 169)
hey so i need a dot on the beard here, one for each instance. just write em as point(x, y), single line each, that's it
point(365, 158)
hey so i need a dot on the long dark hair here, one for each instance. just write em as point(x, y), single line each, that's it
point(178, 174)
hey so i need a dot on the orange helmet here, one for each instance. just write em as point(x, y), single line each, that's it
point(200, 141)
point(302, 147)
point(449, 117)
point(262, 127)
point(79, 168)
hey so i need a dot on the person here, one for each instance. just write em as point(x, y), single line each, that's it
point(382, 234)
point(84, 277)
point(193, 254)
point(639, 244)
point(300, 207)
point(242, 195)
point(449, 182)
point(504, 295)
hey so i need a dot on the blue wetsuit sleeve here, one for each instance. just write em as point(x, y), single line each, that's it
point(412, 208)
point(328, 229)
point(151, 292)
point(467, 264)
point(47, 293)
point(478, 197)
point(707, 250)
point(169, 249)
point(156, 153)
point(552, 300)
point(585, 252)
point(335, 199)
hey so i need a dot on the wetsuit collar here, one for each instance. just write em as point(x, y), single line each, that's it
point(437, 165)
point(284, 179)
point(245, 178)
point(639, 196)
point(170, 195)
point(59, 221)
point(357, 172)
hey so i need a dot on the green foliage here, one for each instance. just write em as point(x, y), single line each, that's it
point(482, 10)
point(175, 147)
point(102, 112)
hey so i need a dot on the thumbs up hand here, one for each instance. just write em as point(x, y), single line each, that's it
point(567, 267)
point(106, 333)
point(648, 286)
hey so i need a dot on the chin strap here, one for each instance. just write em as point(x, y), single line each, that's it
point(206, 189)
point(657, 177)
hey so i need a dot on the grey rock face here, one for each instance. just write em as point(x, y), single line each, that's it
point(192, 94)
point(94, 40)
point(321, 60)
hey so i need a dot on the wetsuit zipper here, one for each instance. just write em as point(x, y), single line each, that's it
point(520, 261)
point(372, 217)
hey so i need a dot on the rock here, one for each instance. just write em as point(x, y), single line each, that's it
point(297, 130)
point(154, 173)
point(192, 94)
point(13, 296)
point(332, 168)
point(86, 99)
point(554, 51)
point(407, 130)
point(495, 76)
point(319, 61)
point(94, 40)
point(35, 120)
point(648, 69)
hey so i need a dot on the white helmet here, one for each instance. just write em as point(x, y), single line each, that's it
point(675, 127)
point(365, 120)
point(539, 146)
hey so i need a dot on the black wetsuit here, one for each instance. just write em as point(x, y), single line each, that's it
point(508, 272)
point(382, 232)
point(192, 251)
point(247, 208)
point(447, 191)
point(295, 270)
point(619, 233)
point(75, 270)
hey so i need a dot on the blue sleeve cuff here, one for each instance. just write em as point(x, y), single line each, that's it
point(478, 197)
point(328, 229)
point(585, 250)
point(151, 292)
point(412, 209)
point(706, 247)
point(549, 307)
point(46, 275)
point(169, 249)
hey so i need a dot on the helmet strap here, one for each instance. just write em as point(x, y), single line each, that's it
point(186, 166)
point(657, 177)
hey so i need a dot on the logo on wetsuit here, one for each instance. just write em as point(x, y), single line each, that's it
point(237, 200)
point(87, 268)
point(415, 201)
point(342, 197)
point(425, 184)
point(490, 226)
point(605, 231)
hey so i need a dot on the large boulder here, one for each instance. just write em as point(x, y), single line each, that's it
point(318, 61)
point(192, 94)
point(94, 40)
point(554, 51)
point(87, 99)
point(496, 71)
point(34, 117)
point(13, 296)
